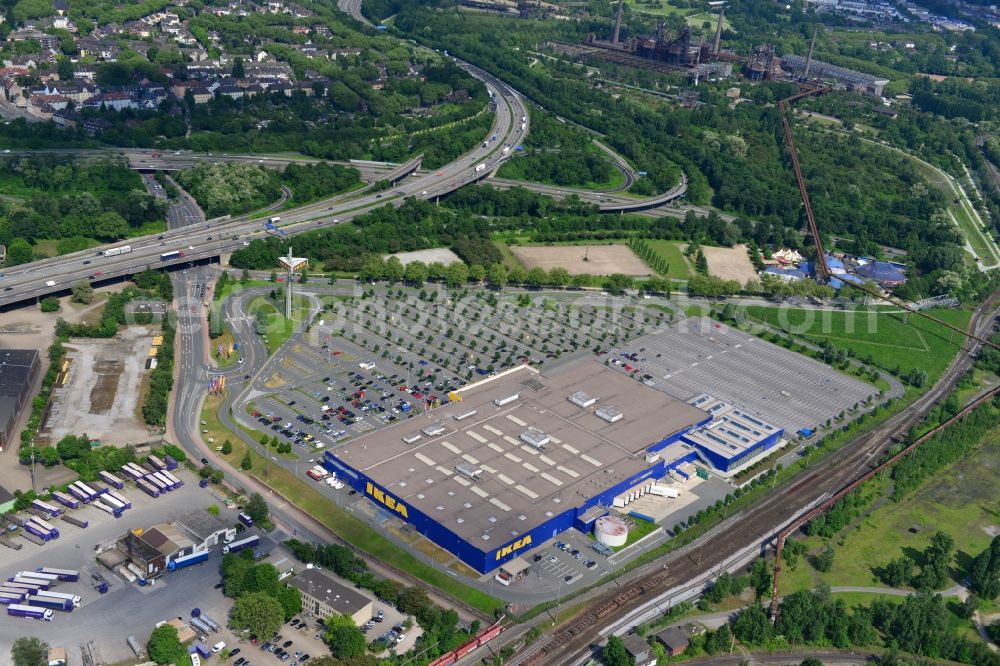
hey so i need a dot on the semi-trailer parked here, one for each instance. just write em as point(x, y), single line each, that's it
point(172, 479)
point(237, 546)
point(113, 503)
point(51, 579)
point(188, 560)
point(120, 498)
point(79, 494)
point(170, 462)
point(45, 507)
point(29, 528)
point(107, 509)
point(200, 626)
point(157, 483)
point(72, 598)
point(69, 575)
point(20, 610)
point(7, 598)
point(147, 488)
point(72, 520)
point(111, 479)
point(66, 500)
point(25, 584)
point(43, 525)
point(50, 602)
point(156, 462)
point(210, 622)
point(163, 478)
point(32, 537)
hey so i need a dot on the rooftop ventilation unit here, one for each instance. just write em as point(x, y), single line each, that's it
point(469, 471)
point(581, 399)
point(610, 414)
point(410, 439)
point(534, 437)
point(506, 400)
point(433, 430)
point(465, 415)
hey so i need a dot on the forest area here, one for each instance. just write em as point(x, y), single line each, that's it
point(75, 203)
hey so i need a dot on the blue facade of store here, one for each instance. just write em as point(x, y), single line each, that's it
point(489, 559)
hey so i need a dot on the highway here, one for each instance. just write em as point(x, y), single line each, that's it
point(29, 282)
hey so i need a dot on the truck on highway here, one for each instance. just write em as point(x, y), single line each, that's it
point(64, 605)
point(167, 256)
point(115, 251)
point(273, 220)
point(50, 283)
point(237, 546)
point(188, 560)
point(480, 167)
point(19, 610)
point(506, 149)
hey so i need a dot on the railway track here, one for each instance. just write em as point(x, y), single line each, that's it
point(756, 524)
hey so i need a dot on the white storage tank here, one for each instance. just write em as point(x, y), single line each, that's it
point(612, 531)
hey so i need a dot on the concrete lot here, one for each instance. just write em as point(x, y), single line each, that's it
point(782, 387)
point(103, 388)
point(127, 608)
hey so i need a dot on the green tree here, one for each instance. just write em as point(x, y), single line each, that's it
point(985, 571)
point(82, 292)
point(247, 462)
point(49, 304)
point(164, 646)
point(614, 653)
point(30, 652)
point(227, 447)
point(393, 270)
point(259, 611)
point(823, 560)
point(291, 601)
point(496, 276)
point(256, 508)
point(19, 252)
point(811, 661)
point(344, 637)
point(415, 273)
point(245, 276)
point(239, 71)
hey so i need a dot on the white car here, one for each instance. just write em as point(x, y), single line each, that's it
point(219, 647)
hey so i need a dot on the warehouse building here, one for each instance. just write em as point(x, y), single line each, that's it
point(733, 437)
point(323, 596)
point(520, 457)
point(849, 78)
point(19, 369)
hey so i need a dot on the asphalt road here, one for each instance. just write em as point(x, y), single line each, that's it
point(26, 283)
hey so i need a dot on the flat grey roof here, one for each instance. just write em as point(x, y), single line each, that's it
point(15, 370)
point(318, 585)
point(521, 486)
point(201, 524)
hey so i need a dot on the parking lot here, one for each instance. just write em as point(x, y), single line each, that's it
point(393, 354)
point(127, 609)
point(698, 356)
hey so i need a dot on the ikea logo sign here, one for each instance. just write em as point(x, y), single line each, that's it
point(386, 500)
point(517, 545)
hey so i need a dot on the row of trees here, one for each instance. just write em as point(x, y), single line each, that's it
point(649, 255)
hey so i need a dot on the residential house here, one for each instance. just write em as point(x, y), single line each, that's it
point(323, 595)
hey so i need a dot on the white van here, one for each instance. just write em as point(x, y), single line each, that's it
point(219, 647)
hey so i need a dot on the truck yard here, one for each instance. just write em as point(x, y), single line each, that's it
point(126, 609)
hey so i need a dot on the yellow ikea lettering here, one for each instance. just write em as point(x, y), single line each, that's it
point(517, 545)
point(387, 500)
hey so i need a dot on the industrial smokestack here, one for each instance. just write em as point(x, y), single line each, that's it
point(718, 32)
point(618, 22)
point(809, 58)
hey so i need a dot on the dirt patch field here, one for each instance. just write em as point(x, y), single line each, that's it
point(103, 389)
point(441, 254)
point(730, 263)
point(580, 259)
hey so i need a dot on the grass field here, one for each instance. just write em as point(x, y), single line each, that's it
point(279, 329)
point(346, 526)
point(891, 343)
point(679, 268)
point(963, 501)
